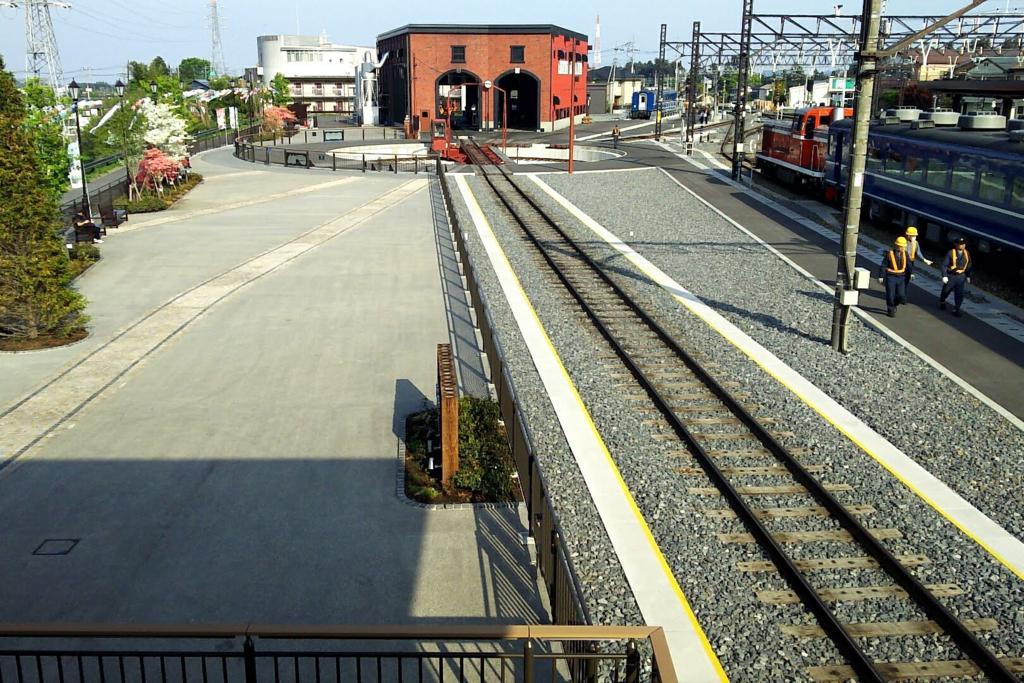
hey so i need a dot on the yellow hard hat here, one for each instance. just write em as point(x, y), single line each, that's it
point(911, 231)
point(901, 241)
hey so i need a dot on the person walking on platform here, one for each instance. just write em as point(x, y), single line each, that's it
point(892, 274)
point(913, 253)
point(956, 273)
point(616, 133)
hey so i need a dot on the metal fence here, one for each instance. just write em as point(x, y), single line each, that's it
point(335, 161)
point(221, 138)
point(560, 579)
point(101, 197)
point(287, 654)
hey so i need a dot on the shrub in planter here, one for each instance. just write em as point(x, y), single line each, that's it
point(485, 464)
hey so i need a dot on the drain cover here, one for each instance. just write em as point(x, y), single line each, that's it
point(56, 546)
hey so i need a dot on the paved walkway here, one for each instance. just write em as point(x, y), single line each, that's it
point(223, 446)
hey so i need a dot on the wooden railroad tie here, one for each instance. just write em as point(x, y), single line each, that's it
point(448, 405)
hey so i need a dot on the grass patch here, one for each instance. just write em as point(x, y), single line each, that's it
point(486, 469)
point(105, 168)
point(151, 201)
point(41, 342)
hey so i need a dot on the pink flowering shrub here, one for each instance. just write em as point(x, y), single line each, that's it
point(275, 117)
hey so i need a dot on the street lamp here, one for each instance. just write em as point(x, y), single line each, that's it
point(504, 113)
point(119, 88)
point(152, 89)
point(73, 90)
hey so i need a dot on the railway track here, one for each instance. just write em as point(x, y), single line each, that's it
point(722, 438)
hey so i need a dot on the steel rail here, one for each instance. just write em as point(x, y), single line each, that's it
point(861, 662)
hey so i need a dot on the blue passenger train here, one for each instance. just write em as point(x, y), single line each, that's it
point(644, 103)
point(947, 181)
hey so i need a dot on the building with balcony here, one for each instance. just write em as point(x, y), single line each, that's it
point(321, 74)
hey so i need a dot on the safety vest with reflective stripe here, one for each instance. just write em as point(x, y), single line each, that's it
point(955, 267)
point(894, 268)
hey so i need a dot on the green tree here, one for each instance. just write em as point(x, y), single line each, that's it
point(35, 293)
point(44, 119)
point(280, 90)
point(220, 82)
point(192, 68)
point(138, 73)
point(125, 133)
point(158, 67)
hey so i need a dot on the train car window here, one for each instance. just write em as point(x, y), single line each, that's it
point(992, 187)
point(915, 169)
point(893, 163)
point(874, 160)
point(964, 174)
point(1017, 193)
point(938, 172)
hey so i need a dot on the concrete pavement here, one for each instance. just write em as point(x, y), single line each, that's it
point(244, 467)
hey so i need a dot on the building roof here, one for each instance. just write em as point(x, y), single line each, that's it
point(488, 29)
point(991, 88)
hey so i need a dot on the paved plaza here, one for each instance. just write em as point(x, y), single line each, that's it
point(223, 446)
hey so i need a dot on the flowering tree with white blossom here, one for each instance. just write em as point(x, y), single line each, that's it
point(165, 129)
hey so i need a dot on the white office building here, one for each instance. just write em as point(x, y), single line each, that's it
point(321, 74)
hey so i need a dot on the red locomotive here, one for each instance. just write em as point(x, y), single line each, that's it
point(795, 149)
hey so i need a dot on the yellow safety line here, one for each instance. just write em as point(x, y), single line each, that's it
point(611, 463)
point(807, 401)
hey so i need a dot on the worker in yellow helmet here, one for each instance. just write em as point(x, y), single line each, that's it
point(913, 254)
point(893, 274)
point(956, 273)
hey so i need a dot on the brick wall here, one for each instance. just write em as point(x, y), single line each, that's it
point(488, 57)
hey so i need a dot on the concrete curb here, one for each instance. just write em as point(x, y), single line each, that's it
point(400, 491)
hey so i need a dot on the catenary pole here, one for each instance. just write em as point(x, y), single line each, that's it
point(866, 66)
point(659, 79)
point(742, 74)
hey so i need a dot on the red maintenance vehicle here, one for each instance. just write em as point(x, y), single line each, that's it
point(795, 149)
point(441, 142)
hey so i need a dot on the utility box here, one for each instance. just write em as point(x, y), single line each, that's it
point(448, 407)
point(849, 297)
point(861, 278)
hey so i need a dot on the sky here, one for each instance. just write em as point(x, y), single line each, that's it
point(97, 37)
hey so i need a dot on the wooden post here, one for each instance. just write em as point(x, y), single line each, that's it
point(448, 404)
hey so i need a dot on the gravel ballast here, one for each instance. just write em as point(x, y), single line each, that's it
point(752, 648)
point(608, 597)
point(961, 441)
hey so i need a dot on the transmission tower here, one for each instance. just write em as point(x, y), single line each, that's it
point(216, 50)
point(41, 57)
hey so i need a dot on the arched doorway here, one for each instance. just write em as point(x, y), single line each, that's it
point(523, 90)
point(464, 101)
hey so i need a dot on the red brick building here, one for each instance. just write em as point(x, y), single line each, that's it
point(433, 71)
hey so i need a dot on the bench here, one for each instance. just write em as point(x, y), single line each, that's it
point(83, 234)
point(112, 218)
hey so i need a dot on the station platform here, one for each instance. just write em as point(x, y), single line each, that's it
point(974, 350)
point(223, 447)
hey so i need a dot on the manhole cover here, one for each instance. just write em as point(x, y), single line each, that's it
point(56, 546)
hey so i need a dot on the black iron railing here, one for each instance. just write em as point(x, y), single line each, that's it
point(330, 654)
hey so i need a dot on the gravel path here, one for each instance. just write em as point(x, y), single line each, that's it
point(971, 448)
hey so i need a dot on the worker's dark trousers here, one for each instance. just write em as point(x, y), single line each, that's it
point(956, 284)
point(895, 291)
